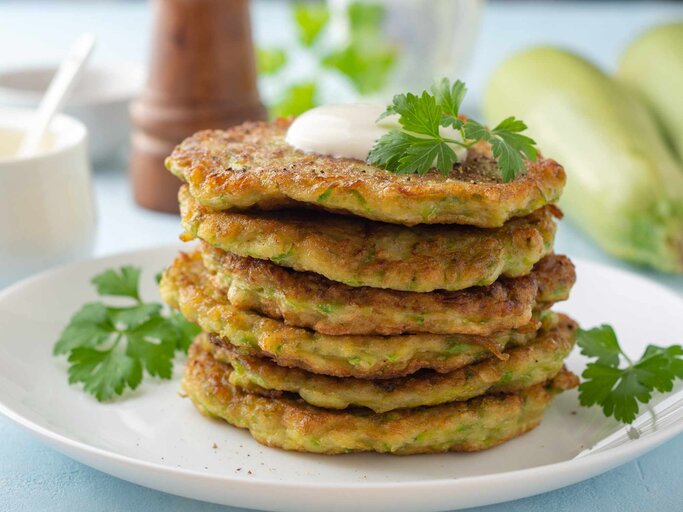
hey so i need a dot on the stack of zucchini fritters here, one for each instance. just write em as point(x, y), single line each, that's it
point(347, 308)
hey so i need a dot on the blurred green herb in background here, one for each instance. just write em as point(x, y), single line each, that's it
point(270, 61)
point(366, 59)
point(298, 98)
point(311, 19)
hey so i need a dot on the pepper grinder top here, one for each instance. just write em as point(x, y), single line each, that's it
point(202, 75)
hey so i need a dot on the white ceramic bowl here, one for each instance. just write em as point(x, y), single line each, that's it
point(47, 215)
point(100, 100)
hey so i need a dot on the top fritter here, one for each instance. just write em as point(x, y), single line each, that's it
point(252, 166)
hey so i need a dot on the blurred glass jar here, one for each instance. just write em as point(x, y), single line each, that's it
point(419, 39)
point(348, 50)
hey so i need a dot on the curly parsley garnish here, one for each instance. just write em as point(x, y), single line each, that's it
point(419, 146)
point(618, 388)
point(110, 347)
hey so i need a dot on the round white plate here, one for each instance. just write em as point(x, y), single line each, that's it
point(155, 438)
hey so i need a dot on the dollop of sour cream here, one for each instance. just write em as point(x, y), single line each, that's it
point(349, 130)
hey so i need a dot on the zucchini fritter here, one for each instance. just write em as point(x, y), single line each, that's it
point(304, 299)
point(186, 286)
point(524, 366)
point(358, 252)
point(290, 423)
point(252, 166)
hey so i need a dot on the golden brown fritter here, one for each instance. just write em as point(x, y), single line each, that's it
point(290, 423)
point(358, 252)
point(305, 299)
point(525, 366)
point(186, 286)
point(252, 166)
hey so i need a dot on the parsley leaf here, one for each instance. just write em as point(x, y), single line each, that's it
point(660, 366)
point(110, 347)
point(89, 327)
point(103, 373)
point(448, 97)
point(509, 147)
point(310, 20)
point(418, 114)
point(600, 342)
point(153, 344)
point(390, 148)
point(426, 114)
point(133, 315)
point(186, 331)
point(422, 154)
point(123, 283)
point(618, 390)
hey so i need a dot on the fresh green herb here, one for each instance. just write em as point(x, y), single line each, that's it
point(618, 388)
point(298, 98)
point(270, 60)
point(367, 68)
point(310, 20)
point(366, 18)
point(187, 331)
point(121, 284)
point(109, 347)
point(366, 59)
point(508, 145)
point(420, 145)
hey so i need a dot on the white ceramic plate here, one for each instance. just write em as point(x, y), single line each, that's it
point(155, 438)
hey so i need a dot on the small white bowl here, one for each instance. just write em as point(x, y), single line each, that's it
point(47, 213)
point(100, 100)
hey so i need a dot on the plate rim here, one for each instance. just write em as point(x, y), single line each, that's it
point(565, 472)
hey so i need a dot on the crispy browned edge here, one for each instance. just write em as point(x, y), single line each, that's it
point(210, 379)
point(273, 171)
point(559, 339)
point(350, 249)
point(507, 297)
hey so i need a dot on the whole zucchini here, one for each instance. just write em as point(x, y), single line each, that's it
point(624, 184)
point(653, 67)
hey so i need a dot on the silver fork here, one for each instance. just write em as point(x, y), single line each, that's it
point(666, 413)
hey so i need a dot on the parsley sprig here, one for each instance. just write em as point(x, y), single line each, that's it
point(110, 347)
point(618, 388)
point(420, 145)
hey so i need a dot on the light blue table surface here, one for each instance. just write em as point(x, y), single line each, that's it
point(33, 477)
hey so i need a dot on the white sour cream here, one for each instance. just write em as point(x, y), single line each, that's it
point(348, 131)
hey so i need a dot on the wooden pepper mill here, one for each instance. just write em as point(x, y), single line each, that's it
point(202, 75)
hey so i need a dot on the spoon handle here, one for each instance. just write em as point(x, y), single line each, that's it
point(61, 85)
